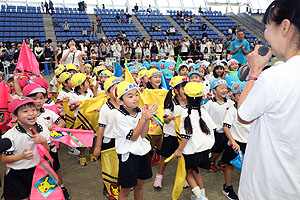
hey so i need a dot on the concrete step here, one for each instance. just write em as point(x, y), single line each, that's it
point(248, 26)
point(49, 29)
point(140, 27)
point(93, 18)
point(212, 26)
point(178, 27)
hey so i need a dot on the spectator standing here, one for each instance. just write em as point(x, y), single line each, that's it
point(219, 48)
point(138, 49)
point(136, 8)
point(48, 55)
point(71, 54)
point(240, 48)
point(195, 49)
point(154, 50)
point(93, 30)
point(38, 52)
point(99, 24)
point(185, 44)
point(146, 52)
point(3, 58)
point(43, 7)
point(128, 17)
point(116, 50)
point(149, 9)
point(47, 8)
point(51, 7)
point(66, 27)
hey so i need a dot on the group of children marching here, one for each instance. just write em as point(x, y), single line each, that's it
point(202, 95)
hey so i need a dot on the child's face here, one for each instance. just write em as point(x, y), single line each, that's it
point(183, 72)
point(68, 84)
point(87, 70)
point(134, 76)
point(103, 79)
point(173, 71)
point(11, 84)
point(27, 115)
point(131, 99)
point(85, 85)
point(155, 81)
point(234, 67)
point(219, 71)
point(202, 71)
point(221, 91)
point(180, 93)
point(145, 79)
point(208, 69)
point(236, 97)
point(195, 78)
point(39, 100)
point(72, 71)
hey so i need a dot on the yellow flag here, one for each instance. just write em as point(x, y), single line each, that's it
point(154, 96)
point(69, 115)
point(87, 117)
point(110, 170)
point(179, 179)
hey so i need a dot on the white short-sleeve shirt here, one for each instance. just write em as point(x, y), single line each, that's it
point(107, 118)
point(218, 111)
point(198, 141)
point(169, 129)
point(21, 140)
point(123, 130)
point(76, 96)
point(240, 132)
point(63, 94)
point(72, 57)
point(48, 117)
point(272, 160)
point(53, 83)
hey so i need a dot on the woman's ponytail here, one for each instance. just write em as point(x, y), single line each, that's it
point(187, 122)
point(168, 103)
point(202, 123)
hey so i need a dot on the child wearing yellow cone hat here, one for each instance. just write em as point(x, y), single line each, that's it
point(196, 130)
point(131, 128)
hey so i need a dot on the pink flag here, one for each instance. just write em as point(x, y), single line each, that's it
point(4, 102)
point(45, 181)
point(73, 137)
point(27, 61)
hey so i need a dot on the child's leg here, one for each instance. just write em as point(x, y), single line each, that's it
point(190, 179)
point(198, 179)
point(139, 190)
point(124, 193)
point(156, 140)
point(215, 156)
point(228, 173)
point(162, 165)
point(82, 150)
point(60, 179)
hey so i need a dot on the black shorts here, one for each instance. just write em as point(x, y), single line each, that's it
point(54, 155)
point(220, 142)
point(109, 145)
point(17, 184)
point(169, 146)
point(200, 159)
point(134, 168)
point(229, 153)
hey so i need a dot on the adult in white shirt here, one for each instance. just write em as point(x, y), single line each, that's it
point(116, 49)
point(185, 48)
point(71, 55)
point(272, 159)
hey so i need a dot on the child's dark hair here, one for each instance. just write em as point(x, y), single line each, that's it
point(34, 94)
point(215, 73)
point(168, 103)
point(30, 105)
point(150, 86)
point(194, 103)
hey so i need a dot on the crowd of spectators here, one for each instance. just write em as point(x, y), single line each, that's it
point(141, 48)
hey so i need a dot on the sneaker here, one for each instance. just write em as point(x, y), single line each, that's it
point(108, 196)
point(93, 158)
point(229, 193)
point(158, 181)
point(213, 167)
point(82, 161)
point(193, 197)
point(222, 167)
point(73, 151)
point(66, 194)
point(155, 159)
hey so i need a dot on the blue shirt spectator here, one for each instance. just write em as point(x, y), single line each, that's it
point(240, 48)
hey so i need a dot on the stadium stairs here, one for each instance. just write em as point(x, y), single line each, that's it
point(176, 25)
point(140, 27)
point(49, 29)
point(213, 27)
point(253, 28)
point(93, 18)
